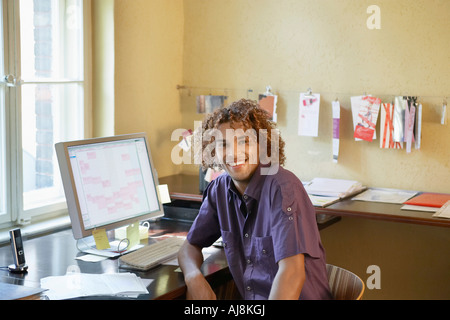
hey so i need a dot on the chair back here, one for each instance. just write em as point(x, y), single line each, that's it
point(344, 285)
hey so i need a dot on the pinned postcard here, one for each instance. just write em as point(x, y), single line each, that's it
point(399, 118)
point(418, 126)
point(336, 106)
point(268, 101)
point(410, 113)
point(207, 104)
point(308, 118)
point(186, 142)
point(387, 127)
point(444, 113)
point(365, 114)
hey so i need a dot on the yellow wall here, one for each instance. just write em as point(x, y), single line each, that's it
point(148, 67)
point(212, 45)
point(103, 67)
point(296, 44)
point(326, 45)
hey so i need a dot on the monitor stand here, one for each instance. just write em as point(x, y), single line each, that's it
point(117, 248)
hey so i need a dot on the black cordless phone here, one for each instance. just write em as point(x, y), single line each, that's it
point(17, 251)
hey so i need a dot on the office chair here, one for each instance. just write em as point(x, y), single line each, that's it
point(344, 285)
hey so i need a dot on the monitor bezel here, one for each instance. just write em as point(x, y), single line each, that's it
point(73, 206)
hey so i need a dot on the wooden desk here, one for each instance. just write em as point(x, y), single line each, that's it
point(184, 192)
point(52, 254)
point(184, 187)
point(383, 211)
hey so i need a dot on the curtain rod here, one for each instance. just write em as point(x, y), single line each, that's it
point(209, 89)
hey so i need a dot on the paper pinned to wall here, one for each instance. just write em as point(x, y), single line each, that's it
point(207, 104)
point(308, 118)
point(268, 101)
point(387, 127)
point(399, 118)
point(365, 114)
point(336, 106)
point(418, 126)
point(410, 113)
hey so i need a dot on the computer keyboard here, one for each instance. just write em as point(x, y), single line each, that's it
point(153, 254)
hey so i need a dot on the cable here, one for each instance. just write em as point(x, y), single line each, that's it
point(115, 251)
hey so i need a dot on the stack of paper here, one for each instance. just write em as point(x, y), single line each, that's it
point(385, 195)
point(427, 202)
point(74, 285)
point(333, 187)
point(444, 211)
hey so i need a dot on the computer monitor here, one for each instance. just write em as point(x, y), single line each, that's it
point(108, 182)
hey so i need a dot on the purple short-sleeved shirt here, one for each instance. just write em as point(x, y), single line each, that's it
point(273, 220)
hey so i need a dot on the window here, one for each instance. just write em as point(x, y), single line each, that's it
point(42, 101)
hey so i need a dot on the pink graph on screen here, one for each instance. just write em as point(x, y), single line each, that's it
point(112, 181)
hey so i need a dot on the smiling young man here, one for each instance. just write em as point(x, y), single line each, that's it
point(261, 211)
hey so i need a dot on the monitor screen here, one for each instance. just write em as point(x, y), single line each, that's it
point(108, 182)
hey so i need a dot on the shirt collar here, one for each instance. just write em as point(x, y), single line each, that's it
point(255, 185)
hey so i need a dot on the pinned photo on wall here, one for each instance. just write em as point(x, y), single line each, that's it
point(399, 118)
point(308, 117)
point(418, 126)
point(365, 114)
point(268, 101)
point(186, 142)
point(207, 104)
point(410, 116)
point(387, 127)
point(336, 110)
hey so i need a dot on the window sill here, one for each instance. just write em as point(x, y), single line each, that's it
point(38, 229)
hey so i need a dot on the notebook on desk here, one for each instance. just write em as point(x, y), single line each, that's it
point(427, 199)
point(339, 188)
point(15, 292)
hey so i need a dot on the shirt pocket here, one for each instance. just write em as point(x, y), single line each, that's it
point(230, 245)
point(264, 254)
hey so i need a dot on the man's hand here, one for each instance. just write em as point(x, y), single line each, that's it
point(198, 288)
point(190, 258)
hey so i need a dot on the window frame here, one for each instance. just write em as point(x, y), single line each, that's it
point(10, 41)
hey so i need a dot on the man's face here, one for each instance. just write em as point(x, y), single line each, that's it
point(237, 150)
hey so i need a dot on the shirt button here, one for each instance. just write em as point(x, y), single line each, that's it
point(245, 197)
point(246, 235)
point(289, 209)
point(291, 218)
point(249, 261)
point(249, 288)
point(264, 251)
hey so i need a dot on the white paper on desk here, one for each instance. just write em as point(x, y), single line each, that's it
point(333, 187)
point(308, 116)
point(385, 195)
point(91, 258)
point(444, 211)
point(73, 285)
point(412, 207)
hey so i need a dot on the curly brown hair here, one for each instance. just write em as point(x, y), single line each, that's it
point(251, 116)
